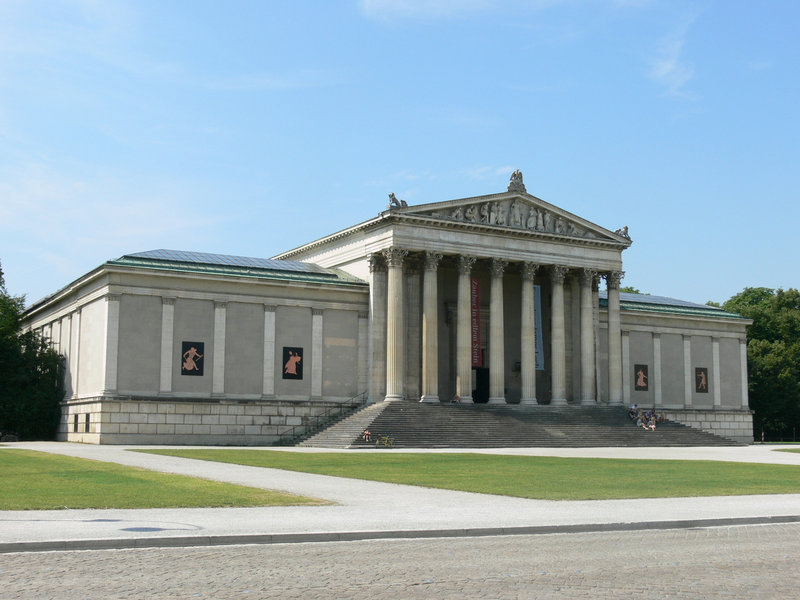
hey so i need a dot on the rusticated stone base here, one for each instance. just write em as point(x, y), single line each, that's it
point(734, 425)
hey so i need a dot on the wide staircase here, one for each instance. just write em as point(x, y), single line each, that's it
point(419, 425)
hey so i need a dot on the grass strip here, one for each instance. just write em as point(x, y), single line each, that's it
point(548, 478)
point(34, 480)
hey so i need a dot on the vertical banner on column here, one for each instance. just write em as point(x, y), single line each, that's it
point(475, 315)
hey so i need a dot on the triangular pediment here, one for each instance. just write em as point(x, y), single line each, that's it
point(513, 211)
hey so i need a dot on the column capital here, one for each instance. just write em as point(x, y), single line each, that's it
point(558, 273)
point(363, 314)
point(613, 279)
point(529, 271)
point(498, 266)
point(394, 256)
point(167, 300)
point(465, 264)
point(316, 312)
point(220, 304)
point(113, 297)
point(376, 263)
point(588, 277)
point(432, 260)
point(269, 308)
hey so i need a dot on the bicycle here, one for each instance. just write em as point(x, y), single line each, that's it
point(383, 440)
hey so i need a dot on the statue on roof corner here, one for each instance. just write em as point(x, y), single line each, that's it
point(393, 201)
point(623, 232)
point(515, 183)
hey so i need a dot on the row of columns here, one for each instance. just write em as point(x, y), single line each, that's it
point(387, 311)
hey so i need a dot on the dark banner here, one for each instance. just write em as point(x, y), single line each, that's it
point(192, 360)
point(292, 363)
point(475, 314)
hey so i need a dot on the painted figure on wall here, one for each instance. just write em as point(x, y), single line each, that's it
point(701, 380)
point(292, 363)
point(192, 358)
point(641, 378)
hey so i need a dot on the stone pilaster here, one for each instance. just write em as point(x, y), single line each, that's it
point(268, 380)
point(167, 345)
point(658, 400)
point(377, 324)
point(75, 352)
point(463, 331)
point(316, 353)
point(558, 337)
point(497, 367)
point(111, 343)
point(528, 335)
point(588, 374)
point(363, 351)
point(430, 328)
point(743, 363)
point(218, 371)
point(714, 378)
point(614, 339)
point(394, 324)
point(688, 375)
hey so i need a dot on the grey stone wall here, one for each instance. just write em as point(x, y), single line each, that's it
point(735, 425)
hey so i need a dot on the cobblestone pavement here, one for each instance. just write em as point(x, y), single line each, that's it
point(725, 562)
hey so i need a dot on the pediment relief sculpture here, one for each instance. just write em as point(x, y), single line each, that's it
point(516, 214)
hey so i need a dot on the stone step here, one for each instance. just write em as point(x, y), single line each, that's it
point(419, 425)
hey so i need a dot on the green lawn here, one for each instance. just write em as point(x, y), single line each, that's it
point(528, 476)
point(40, 481)
point(787, 449)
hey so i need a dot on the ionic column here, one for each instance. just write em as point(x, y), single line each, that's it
point(464, 331)
point(167, 345)
point(268, 379)
point(588, 387)
point(430, 328)
point(111, 342)
point(218, 372)
point(394, 324)
point(614, 339)
point(528, 335)
point(377, 324)
point(558, 337)
point(316, 352)
point(497, 335)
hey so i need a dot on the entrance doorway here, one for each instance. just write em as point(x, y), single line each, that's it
point(480, 395)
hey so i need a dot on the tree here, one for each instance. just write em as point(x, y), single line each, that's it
point(773, 355)
point(629, 289)
point(31, 375)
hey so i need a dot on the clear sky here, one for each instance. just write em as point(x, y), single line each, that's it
point(250, 128)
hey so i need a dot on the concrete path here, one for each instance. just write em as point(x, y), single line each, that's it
point(366, 509)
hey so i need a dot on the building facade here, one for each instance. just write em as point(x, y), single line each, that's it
point(493, 299)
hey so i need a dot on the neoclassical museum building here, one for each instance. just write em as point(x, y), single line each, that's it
point(494, 299)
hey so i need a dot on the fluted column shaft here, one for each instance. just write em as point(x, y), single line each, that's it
point(430, 328)
point(558, 337)
point(528, 335)
point(588, 394)
point(614, 339)
point(497, 360)
point(464, 331)
point(394, 324)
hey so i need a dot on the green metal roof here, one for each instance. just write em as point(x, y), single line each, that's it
point(237, 266)
point(662, 304)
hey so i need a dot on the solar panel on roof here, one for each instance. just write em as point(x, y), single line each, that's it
point(229, 260)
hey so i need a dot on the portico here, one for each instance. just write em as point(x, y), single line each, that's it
point(508, 308)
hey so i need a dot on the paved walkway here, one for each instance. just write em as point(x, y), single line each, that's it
point(366, 509)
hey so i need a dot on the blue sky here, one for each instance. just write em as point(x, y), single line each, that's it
point(250, 128)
